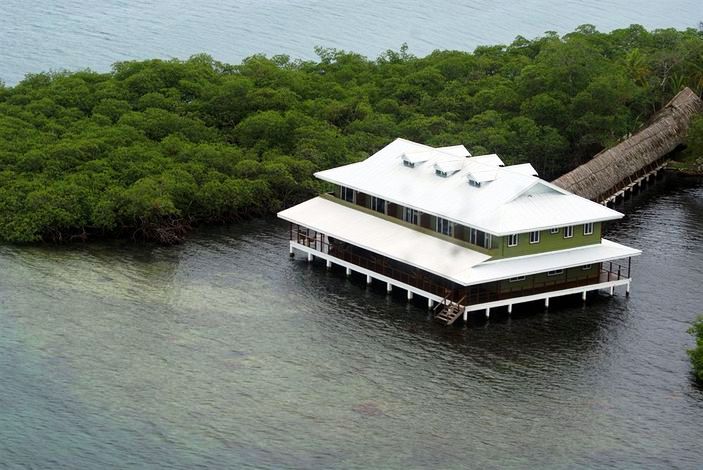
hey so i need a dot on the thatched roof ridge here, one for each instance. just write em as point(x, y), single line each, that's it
point(666, 130)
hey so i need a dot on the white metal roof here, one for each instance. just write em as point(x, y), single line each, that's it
point(514, 201)
point(432, 254)
point(483, 176)
point(524, 169)
point(506, 268)
point(389, 239)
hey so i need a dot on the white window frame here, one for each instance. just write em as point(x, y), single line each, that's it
point(588, 228)
point(586, 267)
point(513, 239)
point(411, 216)
point(534, 240)
point(569, 231)
point(375, 203)
point(439, 222)
point(556, 272)
point(344, 193)
point(408, 164)
point(554, 230)
point(474, 183)
point(516, 279)
point(487, 240)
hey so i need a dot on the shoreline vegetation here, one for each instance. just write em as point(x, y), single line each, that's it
point(690, 161)
point(154, 148)
point(696, 354)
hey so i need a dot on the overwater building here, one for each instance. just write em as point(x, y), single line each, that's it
point(468, 233)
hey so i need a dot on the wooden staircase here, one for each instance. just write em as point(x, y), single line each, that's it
point(448, 311)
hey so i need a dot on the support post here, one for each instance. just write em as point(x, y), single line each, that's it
point(310, 257)
point(612, 290)
point(510, 309)
point(348, 272)
point(368, 279)
point(627, 290)
point(410, 295)
point(488, 313)
point(328, 264)
point(290, 251)
point(583, 296)
point(546, 302)
point(629, 267)
point(430, 303)
point(466, 314)
point(389, 287)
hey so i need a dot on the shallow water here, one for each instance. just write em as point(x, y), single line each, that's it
point(74, 34)
point(224, 353)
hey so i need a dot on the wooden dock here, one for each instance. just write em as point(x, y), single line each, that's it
point(620, 170)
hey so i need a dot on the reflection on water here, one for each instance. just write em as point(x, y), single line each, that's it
point(223, 352)
point(75, 34)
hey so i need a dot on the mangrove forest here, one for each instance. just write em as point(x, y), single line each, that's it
point(152, 148)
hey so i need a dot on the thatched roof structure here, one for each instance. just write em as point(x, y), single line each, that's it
point(599, 178)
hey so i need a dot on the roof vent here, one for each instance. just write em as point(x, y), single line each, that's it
point(478, 178)
point(448, 167)
point(412, 159)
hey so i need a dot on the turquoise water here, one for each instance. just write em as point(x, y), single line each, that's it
point(225, 353)
point(75, 34)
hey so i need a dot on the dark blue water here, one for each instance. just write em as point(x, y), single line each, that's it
point(43, 35)
point(224, 353)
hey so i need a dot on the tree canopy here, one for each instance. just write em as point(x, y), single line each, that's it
point(696, 354)
point(155, 146)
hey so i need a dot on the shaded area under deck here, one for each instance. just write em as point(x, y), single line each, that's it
point(605, 275)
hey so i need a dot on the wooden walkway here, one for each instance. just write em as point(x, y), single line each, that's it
point(633, 162)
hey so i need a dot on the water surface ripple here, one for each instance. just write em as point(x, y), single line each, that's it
point(224, 353)
point(75, 34)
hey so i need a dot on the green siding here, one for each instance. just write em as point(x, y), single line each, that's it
point(499, 245)
point(549, 241)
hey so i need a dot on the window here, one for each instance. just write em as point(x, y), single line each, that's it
point(588, 229)
point(408, 164)
point(555, 272)
point(473, 236)
point(554, 230)
point(517, 279)
point(513, 239)
point(441, 173)
point(378, 204)
point(410, 215)
point(534, 237)
point(444, 226)
point(474, 183)
point(586, 267)
point(568, 231)
point(347, 194)
point(487, 241)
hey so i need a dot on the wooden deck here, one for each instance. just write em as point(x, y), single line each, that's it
point(454, 300)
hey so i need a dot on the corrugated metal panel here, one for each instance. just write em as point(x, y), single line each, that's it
point(389, 239)
point(563, 259)
point(432, 254)
point(451, 197)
